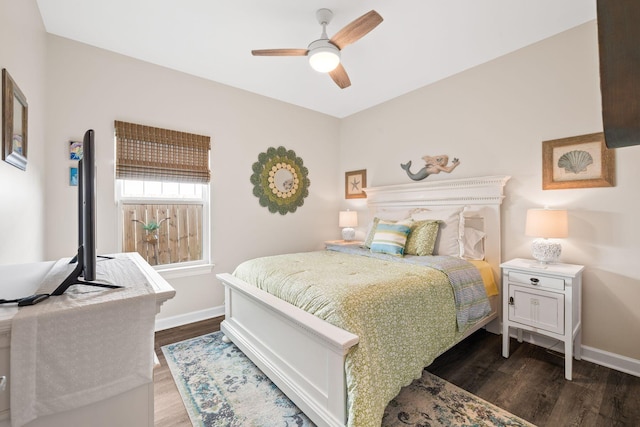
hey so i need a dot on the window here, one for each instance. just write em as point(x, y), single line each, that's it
point(162, 189)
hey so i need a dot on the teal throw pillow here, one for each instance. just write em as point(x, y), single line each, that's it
point(390, 237)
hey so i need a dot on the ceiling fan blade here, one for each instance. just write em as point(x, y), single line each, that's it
point(279, 52)
point(339, 75)
point(356, 29)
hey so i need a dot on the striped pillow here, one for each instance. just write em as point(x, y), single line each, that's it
point(391, 237)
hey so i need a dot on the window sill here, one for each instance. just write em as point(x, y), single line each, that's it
point(192, 270)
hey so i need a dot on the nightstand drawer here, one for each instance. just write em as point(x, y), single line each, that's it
point(537, 308)
point(536, 280)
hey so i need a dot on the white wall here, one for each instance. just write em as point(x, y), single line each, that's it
point(22, 53)
point(90, 88)
point(494, 118)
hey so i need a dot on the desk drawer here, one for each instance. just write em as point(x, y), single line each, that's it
point(536, 280)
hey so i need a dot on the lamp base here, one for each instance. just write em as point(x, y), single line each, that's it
point(348, 234)
point(546, 251)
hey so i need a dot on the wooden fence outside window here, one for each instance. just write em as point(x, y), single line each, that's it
point(178, 239)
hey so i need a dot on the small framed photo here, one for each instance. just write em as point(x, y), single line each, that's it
point(577, 162)
point(354, 184)
point(73, 176)
point(75, 150)
point(14, 123)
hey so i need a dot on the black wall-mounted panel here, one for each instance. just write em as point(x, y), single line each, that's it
point(619, 47)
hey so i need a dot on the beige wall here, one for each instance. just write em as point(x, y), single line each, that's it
point(22, 53)
point(493, 118)
point(90, 88)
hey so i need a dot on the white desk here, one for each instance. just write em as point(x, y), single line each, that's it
point(133, 408)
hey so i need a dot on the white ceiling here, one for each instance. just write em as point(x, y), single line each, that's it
point(418, 43)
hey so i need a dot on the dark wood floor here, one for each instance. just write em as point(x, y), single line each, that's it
point(530, 383)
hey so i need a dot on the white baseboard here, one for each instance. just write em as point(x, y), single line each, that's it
point(183, 319)
point(611, 360)
point(594, 355)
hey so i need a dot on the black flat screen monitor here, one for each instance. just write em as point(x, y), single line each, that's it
point(85, 271)
point(87, 206)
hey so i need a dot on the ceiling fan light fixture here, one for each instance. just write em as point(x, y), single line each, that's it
point(324, 53)
point(323, 56)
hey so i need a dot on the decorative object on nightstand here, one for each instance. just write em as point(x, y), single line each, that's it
point(543, 301)
point(347, 220)
point(545, 224)
point(328, 243)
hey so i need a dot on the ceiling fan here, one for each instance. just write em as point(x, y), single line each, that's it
point(324, 53)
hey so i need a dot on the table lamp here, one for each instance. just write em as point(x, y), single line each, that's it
point(545, 224)
point(346, 221)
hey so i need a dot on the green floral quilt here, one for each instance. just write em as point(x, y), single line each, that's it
point(403, 313)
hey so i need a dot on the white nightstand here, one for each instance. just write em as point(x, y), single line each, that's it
point(545, 299)
point(344, 243)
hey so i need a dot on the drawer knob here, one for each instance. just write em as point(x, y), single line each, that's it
point(534, 281)
point(511, 301)
point(3, 382)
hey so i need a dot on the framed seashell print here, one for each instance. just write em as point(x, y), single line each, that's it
point(577, 162)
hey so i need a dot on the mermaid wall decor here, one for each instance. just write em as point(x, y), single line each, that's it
point(433, 165)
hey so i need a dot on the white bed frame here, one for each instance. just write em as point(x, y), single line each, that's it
point(304, 355)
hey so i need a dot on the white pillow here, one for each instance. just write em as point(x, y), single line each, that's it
point(449, 241)
point(473, 244)
point(393, 214)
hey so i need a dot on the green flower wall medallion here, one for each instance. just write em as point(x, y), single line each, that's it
point(280, 180)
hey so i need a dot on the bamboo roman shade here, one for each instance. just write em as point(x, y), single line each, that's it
point(155, 154)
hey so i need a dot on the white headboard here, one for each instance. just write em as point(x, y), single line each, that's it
point(481, 197)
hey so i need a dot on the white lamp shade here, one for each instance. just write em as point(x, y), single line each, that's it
point(348, 219)
point(547, 223)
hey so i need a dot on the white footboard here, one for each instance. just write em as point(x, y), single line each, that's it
point(302, 354)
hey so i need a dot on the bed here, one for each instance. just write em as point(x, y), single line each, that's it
point(314, 361)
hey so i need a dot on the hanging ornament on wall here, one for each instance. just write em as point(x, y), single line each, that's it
point(280, 180)
point(433, 165)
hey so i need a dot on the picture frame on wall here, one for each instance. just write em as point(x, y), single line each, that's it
point(73, 176)
point(582, 161)
point(75, 150)
point(14, 123)
point(354, 184)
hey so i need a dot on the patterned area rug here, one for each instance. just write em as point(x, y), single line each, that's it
point(220, 387)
